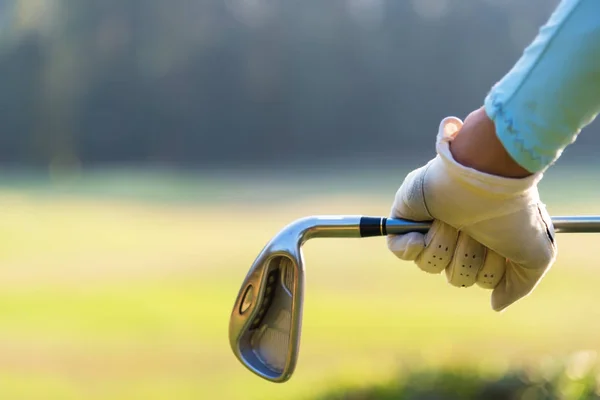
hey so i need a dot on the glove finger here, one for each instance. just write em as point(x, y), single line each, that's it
point(408, 246)
point(521, 278)
point(517, 282)
point(440, 243)
point(492, 271)
point(466, 263)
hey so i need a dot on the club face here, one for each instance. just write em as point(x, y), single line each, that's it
point(265, 323)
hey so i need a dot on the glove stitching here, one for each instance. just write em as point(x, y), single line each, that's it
point(483, 260)
point(423, 175)
point(452, 261)
point(548, 232)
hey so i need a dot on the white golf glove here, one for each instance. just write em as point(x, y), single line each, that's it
point(489, 230)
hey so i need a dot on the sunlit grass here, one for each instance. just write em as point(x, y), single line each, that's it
point(109, 299)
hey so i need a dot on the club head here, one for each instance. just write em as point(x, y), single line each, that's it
point(266, 320)
point(265, 323)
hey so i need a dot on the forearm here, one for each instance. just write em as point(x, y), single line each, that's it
point(553, 91)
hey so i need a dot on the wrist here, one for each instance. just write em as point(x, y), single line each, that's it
point(477, 146)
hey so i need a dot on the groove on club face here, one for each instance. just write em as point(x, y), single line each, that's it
point(265, 323)
point(270, 332)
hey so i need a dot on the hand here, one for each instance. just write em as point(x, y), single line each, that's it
point(488, 230)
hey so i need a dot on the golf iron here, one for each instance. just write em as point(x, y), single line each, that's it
point(266, 321)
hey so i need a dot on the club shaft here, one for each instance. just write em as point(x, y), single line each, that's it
point(351, 226)
point(562, 224)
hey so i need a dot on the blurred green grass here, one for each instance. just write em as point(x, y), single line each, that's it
point(122, 296)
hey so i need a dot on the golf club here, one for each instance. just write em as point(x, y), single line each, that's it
point(266, 321)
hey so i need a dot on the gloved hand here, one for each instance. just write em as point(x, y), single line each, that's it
point(487, 229)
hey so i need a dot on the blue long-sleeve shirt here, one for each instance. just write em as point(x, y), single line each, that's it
point(553, 91)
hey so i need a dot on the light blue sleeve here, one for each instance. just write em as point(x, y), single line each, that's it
point(553, 91)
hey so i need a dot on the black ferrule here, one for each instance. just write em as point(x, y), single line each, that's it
point(373, 226)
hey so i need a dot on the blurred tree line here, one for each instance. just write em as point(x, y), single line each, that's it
point(246, 82)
